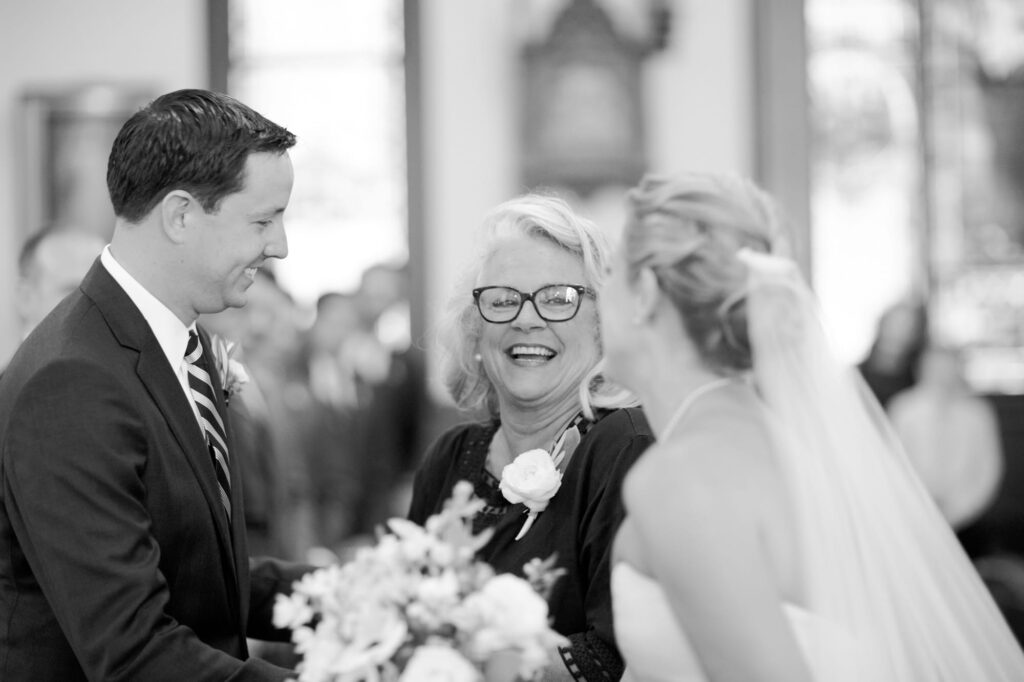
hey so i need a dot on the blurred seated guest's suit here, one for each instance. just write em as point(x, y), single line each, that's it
point(368, 396)
point(891, 363)
point(247, 407)
point(261, 480)
point(397, 390)
point(335, 449)
point(331, 381)
point(51, 265)
point(951, 436)
point(281, 404)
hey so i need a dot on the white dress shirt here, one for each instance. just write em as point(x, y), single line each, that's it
point(170, 332)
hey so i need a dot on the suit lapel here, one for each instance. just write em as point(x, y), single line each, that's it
point(132, 331)
point(166, 392)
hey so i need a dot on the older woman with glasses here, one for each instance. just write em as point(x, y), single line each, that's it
point(555, 440)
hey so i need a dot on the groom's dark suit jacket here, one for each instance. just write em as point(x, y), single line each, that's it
point(116, 559)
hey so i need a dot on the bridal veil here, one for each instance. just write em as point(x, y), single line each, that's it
point(879, 560)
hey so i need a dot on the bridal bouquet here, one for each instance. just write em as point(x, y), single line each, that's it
point(418, 606)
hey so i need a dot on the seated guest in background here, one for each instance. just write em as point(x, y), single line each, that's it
point(51, 265)
point(341, 488)
point(522, 350)
point(332, 378)
point(383, 299)
point(273, 350)
point(253, 436)
point(891, 364)
point(951, 436)
point(391, 373)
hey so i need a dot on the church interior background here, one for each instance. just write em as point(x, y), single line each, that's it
point(892, 132)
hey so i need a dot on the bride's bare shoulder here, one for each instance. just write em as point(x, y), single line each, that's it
point(721, 451)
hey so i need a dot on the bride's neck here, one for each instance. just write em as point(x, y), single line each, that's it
point(662, 395)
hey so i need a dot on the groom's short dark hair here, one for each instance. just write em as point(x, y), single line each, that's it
point(194, 140)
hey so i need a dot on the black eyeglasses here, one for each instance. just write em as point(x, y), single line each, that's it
point(553, 302)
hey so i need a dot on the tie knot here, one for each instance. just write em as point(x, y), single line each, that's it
point(193, 349)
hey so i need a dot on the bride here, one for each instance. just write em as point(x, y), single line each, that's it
point(775, 531)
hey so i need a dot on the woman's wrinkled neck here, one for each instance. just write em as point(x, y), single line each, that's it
point(528, 427)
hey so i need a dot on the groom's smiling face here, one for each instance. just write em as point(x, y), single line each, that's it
point(235, 239)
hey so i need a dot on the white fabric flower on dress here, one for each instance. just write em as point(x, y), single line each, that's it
point(533, 479)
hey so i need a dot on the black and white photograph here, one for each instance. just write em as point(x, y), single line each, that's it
point(512, 341)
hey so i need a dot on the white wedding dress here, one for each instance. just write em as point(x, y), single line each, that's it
point(656, 649)
point(890, 594)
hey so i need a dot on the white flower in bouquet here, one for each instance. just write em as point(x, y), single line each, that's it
point(419, 597)
point(320, 653)
point(373, 634)
point(293, 611)
point(510, 608)
point(441, 591)
point(506, 613)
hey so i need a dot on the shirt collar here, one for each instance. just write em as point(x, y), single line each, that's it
point(170, 333)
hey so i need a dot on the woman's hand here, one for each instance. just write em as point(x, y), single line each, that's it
point(504, 667)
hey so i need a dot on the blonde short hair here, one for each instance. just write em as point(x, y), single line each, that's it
point(687, 229)
point(542, 217)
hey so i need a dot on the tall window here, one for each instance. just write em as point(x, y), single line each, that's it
point(866, 166)
point(917, 172)
point(332, 73)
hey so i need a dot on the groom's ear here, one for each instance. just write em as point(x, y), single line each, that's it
point(174, 209)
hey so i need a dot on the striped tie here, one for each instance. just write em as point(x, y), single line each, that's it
point(209, 418)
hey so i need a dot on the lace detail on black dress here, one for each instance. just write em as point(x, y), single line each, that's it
point(488, 489)
point(589, 659)
point(472, 467)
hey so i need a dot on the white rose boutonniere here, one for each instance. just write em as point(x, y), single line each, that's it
point(532, 478)
point(232, 374)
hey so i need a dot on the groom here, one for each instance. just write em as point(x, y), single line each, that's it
point(122, 538)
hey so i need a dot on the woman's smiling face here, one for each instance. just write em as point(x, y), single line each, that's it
point(532, 362)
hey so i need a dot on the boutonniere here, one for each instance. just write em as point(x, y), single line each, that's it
point(232, 374)
point(535, 476)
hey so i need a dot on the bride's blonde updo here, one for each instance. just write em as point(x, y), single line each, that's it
point(687, 229)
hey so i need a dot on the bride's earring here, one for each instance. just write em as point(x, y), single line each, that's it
point(477, 357)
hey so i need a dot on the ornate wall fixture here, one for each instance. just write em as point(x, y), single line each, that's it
point(582, 104)
point(67, 134)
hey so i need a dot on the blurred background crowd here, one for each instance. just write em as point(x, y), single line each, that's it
point(892, 132)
